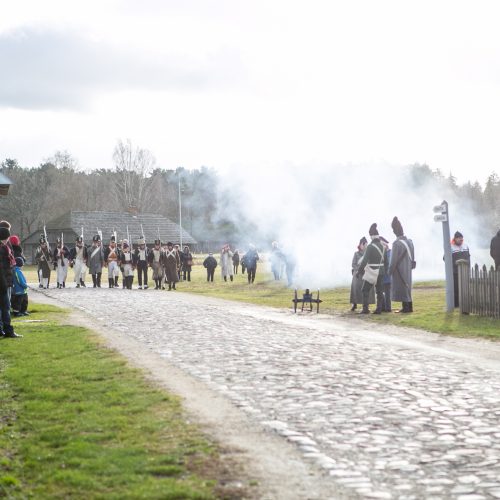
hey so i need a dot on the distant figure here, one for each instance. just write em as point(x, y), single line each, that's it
point(290, 264)
point(372, 268)
point(236, 261)
point(20, 295)
point(141, 257)
point(210, 263)
point(78, 257)
point(187, 263)
point(357, 282)
point(96, 261)
point(127, 265)
point(43, 260)
point(156, 261)
point(226, 262)
point(243, 264)
point(17, 250)
point(387, 282)
point(172, 265)
point(111, 256)
point(276, 260)
point(61, 263)
point(459, 251)
point(401, 267)
point(251, 258)
point(495, 250)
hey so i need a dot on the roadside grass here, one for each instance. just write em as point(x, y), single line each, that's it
point(77, 422)
point(429, 302)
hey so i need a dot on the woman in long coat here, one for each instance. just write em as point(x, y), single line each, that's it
point(401, 266)
point(172, 263)
point(357, 283)
point(226, 262)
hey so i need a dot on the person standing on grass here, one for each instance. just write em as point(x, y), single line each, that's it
point(372, 268)
point(156, 261)
point(236, 261)
point(459, 251)
point(243, 264)
point(172, 265)
point(187, 263)
point(20, 295)
point(251, 258)
point(401, 268)
point(276, 260)
point(141, 257)
point(96, 261)
point(226, 262)
point(111, 257)
point(17, 250)
point(210, 263)
point(7, 263)
point(43, 260)
point(387, 282)
point(495, 250)
point(78, 257)
point(357, 282)
point(61, 263)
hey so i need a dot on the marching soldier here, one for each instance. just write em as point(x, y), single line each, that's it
point(127, 265)
point(43, 260)
point(111, 256)
point(156, 259)
point(61, 263)
point(78, 257)
point(96, 261)
point(141, 256)
point(172, 262)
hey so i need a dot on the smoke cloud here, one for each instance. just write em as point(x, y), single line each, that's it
point(321, 212)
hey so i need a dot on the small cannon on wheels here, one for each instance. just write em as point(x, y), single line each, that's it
point(307, 298)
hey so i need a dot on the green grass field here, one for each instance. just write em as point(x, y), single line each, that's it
point(77, 422)
point(429, 301)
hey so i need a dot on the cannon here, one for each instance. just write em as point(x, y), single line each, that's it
point(307, 298)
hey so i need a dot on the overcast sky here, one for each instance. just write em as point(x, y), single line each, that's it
point(247, 84)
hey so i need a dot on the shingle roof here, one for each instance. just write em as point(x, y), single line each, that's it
point(107, 222)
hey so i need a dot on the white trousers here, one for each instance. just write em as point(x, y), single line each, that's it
point(113, 269)
point(62, 271)
point(80, 270)
point(128, 270)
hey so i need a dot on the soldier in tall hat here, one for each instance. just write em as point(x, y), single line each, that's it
point(172, 263)
point(43, 260)
point(373, 268)
point(141, 256)
point(78, 257)
point(61, 262)
point(96, 260)
point(156, 259)
point(402, 265)
point(127, 265)
point(111, 258)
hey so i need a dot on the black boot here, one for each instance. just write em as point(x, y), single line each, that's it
point(231, 277)
point(94, 280)
point(225, 278)
point(83, 283)
point(354, 307)
point(410, 307)
point(173, 286)
point(99, 280)
point(116, 281)
point(111, 283)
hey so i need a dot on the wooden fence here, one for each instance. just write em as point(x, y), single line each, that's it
point(478, 290)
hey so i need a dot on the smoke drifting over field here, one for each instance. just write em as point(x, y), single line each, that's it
point(320, 213)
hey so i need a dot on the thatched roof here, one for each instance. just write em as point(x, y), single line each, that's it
point(72, 223)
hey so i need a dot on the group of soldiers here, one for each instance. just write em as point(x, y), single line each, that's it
point(167, 262)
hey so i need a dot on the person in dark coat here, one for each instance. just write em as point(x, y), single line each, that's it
point(210, 263)
point(141, 258)
point(236, 261)
point(172, 265)
point(243, 263)
point(43, 260)
point(96, 260)
point(459, 251)
point(7, 262)
point(187, 263)
point(495, 250)
point(357, 281)
point(251, 258)
point(401, 267)
point(372, 269)
point(387, 282)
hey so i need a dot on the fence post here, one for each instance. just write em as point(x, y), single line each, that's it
point(463, 286)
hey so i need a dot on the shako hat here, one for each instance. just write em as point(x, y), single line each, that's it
point(157, 242)
point(397, 227)
point(373, 231)
point(79, 239)
point(96, 238)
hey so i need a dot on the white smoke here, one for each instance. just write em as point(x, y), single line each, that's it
point(320, 213)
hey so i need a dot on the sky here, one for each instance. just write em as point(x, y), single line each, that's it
point(234, 84)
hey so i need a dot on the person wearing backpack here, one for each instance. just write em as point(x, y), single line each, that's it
point(372, 269)
point(401, 267)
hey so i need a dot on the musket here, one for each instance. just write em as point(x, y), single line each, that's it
point(82, 234)
point(143, 235)
point(158, 230)
point(128, 238)
point(46, 239)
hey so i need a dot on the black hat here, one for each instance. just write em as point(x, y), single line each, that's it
point(4, 233)
point(79, 239)
point(363, 241)
point(42, 239)
point(96, 238)
point(397, 227)
point(458, 234)
point(373, 230)
point(157, 242)
point(170, 244)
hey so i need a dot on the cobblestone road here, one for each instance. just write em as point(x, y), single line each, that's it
point(384, 420)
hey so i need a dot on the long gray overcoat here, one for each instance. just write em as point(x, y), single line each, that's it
point(357, 283)
point(401, 268)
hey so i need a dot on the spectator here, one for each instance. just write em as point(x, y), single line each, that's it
point(210, 264)
point(20, 297)
point(226, 262)
point(251, 258)
point(187, 263)
point(459, 251)
point(236, 261)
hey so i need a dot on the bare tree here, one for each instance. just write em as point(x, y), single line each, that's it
point(133, 166)
point(63, 160)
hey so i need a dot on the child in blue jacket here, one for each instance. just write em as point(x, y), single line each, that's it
point(20, 295)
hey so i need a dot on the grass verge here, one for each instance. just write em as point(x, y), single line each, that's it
point(77, 422)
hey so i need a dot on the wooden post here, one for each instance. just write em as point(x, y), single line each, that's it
point(463, 286)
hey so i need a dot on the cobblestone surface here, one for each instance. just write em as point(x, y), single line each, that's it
point(383, 420)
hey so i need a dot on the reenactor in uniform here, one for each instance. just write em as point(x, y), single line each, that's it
point(141, 257)
point(127, 265)
point(96, 261)
point(111, 257)
point(78, 257)
point(156, 259)
point(61, 263)
point(43, 260)
point(172, 264)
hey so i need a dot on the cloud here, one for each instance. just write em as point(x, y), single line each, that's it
point(60, 70)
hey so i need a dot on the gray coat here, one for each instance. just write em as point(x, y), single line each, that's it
point(400, 269)
point(357, 283)
point(96, 262)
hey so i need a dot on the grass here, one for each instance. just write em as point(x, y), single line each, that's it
point(77, 422)
point(429, 302)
